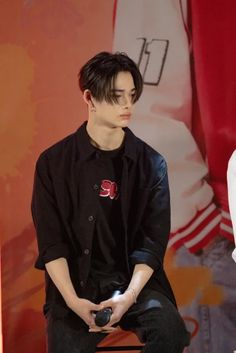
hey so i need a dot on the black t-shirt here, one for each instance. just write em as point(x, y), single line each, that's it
point(108, 265)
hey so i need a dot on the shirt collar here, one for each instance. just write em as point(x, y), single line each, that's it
point(86, 150)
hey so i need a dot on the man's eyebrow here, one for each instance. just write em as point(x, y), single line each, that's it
point(122, 90)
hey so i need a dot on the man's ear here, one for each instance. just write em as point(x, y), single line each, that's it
point(87, 96)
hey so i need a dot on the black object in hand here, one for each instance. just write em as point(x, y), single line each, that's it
point(103, 316)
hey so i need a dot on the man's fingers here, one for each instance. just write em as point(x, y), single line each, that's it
point(91, 322)
point(107, 303)
point(108, 329)
point(95, 329)
point(103, 329)
point(112, 321)
point(97, 307)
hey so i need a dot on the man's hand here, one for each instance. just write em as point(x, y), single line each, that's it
point(84, 309)
point(58, 270)
point(119, 305)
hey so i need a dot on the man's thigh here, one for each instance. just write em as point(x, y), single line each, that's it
point(157, 322)
point(67, 335)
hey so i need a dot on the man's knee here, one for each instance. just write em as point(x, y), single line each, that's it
point(159, 328)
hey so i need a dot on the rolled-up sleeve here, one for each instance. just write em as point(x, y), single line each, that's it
point(154, 230)
point(49, 228)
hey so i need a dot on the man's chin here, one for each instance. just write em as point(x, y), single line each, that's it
point(125, 122)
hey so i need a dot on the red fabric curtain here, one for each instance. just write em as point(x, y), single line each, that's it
point(214, 52)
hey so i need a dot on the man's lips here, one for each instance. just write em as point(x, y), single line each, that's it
point(126, 116)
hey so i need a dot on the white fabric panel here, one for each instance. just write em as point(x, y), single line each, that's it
point(153, 34)
point(231, 178)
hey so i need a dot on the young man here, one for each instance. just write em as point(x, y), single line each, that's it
point(102, 216)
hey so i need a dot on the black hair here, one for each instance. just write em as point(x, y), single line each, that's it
point(99, 73)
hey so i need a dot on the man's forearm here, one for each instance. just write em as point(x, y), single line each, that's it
point(58, 270)
point(140, 277)
point(122, 303)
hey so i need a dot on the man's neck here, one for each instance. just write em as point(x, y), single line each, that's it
point(105, 138)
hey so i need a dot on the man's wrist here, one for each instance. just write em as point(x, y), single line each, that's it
point(132, 293)
point(71, 300)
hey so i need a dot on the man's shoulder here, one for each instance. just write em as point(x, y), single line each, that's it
point(151, 162)
point(148, 152)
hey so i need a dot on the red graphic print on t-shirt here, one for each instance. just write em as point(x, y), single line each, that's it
point(109, 189)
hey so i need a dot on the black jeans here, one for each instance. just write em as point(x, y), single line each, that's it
point(154, 319)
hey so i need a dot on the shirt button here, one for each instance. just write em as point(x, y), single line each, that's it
point(86, 251)
point(90, 218)
point(81, 283)
point(95, 187)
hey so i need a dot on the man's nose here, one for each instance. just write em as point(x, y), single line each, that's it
point(127, 101)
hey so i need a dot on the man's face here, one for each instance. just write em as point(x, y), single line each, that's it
point(117, 114)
